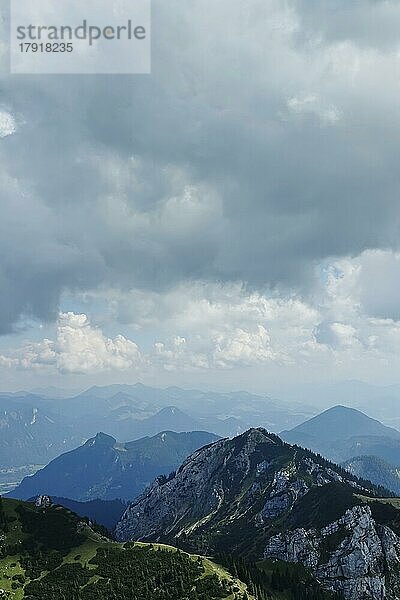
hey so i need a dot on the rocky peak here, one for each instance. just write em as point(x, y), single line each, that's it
point(249, 479)
point(102, 439)
point(260, 497)
point(253, 438)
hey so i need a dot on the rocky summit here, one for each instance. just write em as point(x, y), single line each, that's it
point(261, 498)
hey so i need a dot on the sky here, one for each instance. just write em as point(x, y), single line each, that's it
point(229, 221)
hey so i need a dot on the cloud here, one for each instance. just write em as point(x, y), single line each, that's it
point(379, 284)
point(368, 283)
point(310, 104)
point(224, 326)
point(337, 335)
point(204, 327)
point(210, 328)
point(178, 356)
point(236, 209)
point(79, 348)
point(7, 362)
point(368, 24)
point(192, 174)
point(7, 124)
point(243, 348)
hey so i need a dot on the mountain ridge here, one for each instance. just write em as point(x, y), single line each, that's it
point(104, 469)
point(30, 433)
point(127, 412)
point(248, 492)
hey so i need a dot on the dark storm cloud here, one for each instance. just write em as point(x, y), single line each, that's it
point(257, 148)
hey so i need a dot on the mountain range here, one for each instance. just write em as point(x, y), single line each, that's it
point(30, 433)
point(261, 498)
point(283, 520)
point(129, 411)
point(35, 429)
point(104, 469)
point(124, 408)
point(341, 433)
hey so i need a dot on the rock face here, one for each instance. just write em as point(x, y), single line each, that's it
point(43, 502)
point(205, 490)
point(259, 497)
point(226, 488)
point(353, 555)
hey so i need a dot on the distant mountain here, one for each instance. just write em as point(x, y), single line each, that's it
point(35, 429)
point(172, 418)
point(378, 401)
point(340, 433)
point(169, 418)
point(53, 392)
point(30, 433)
point(122, 410)
point(341, 422)
point(105, 469)
point(257, 498)
point(376, 470)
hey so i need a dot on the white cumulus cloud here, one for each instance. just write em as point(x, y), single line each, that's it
point(79, 348)
point(243, 348)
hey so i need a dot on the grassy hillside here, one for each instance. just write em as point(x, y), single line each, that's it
point(52, 553)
